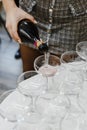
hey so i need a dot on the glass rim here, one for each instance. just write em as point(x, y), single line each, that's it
point(77, 46)
point(25, 73)
point(70, 52)
point(44, 56)
point(84, 42)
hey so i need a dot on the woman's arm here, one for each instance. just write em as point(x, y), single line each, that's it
point(13, 16)
point(8, 5)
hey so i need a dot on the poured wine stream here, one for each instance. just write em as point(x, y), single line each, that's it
point(47, 69)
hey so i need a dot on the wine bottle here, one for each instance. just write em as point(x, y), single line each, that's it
point(28, 32)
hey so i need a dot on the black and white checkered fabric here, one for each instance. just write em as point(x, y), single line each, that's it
point(69, 21)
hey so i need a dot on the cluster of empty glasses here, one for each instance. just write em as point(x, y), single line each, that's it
point(55, 93)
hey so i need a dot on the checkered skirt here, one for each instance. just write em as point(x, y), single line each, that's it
point(69, 24)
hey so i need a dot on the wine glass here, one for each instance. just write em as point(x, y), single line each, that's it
point(11, 111)
point(31, 84)
point(47, 65)
point(81, 49)
point(72, 65)
point(73, 78)
point(53, 110)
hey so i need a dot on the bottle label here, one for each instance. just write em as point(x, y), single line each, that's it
point(37, 43)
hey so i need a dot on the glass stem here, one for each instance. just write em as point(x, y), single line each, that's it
point(52, 83)
point(33, 103)
point(47, 79)
point(46, 55)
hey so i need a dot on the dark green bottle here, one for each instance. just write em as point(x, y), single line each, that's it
point(29, 34)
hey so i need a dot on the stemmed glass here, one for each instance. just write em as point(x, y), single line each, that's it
point(81, 49)
point(73, 78)
point(13, 112)
point(47, 65)
point(31, 84)
point(71, 86)
point(53, 114)
point(53, 110)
